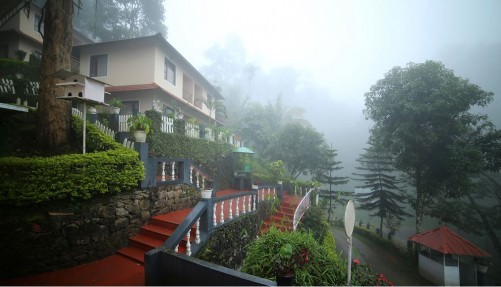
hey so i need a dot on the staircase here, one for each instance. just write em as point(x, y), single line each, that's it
point(154, 235)
point(160, 227)
point(282, 218)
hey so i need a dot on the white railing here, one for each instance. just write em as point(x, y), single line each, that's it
point(229, 209)
point(77, 113)
point(7, 86)
point(167, 125)
point(123, 126)
point(106, 130)
point(192, 130)
point(301, 208)
point(209, 134)
point(128, 144)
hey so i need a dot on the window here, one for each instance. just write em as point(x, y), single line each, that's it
point(38, 17)
point(36, 53)
point(98, 66)
point(169, 71)
point(130, 107)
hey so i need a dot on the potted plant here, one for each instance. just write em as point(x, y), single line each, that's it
point(206, 193)
point(286, 263)
point(115, 106)
point(140, 125)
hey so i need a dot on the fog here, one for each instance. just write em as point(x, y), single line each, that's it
point(324, 55)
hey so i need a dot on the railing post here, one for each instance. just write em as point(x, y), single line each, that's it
point(280, 190)
point(207, 217)
point(185, 176)
point(142, 149)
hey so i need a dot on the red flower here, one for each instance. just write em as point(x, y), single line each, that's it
point(356, 261)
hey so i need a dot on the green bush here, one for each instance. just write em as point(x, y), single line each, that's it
point(323, 266)
point(10, 67)
point(313, 221)
point(107, 168)
point(214, 157)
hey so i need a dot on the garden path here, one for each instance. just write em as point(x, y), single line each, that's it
point(379, 260)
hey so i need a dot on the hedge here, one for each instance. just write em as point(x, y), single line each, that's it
point(214, 157)
point(110, 169)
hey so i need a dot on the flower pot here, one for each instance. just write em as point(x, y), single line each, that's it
point(140, 136)
point(207, 193)
point(92, 110)
point(114, 110)
point(285, 279)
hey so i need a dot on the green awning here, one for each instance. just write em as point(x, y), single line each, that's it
point(242, 149)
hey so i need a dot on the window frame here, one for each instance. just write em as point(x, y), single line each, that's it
point(97, 72)
point(35, 23)
point(168, 62)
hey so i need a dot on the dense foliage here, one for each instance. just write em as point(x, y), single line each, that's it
point(325, 175)
point(422, 115)
point(214, 157)
point(377, 172)
point(313, 221)
point(107, 168)
point(318, 264)
point(108, 20)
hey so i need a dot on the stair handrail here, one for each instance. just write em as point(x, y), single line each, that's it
point(203, 216)
point(185, 227)
point(301, 208)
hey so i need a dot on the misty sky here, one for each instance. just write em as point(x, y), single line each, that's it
point(344, 47)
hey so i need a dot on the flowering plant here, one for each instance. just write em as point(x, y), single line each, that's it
point(362, 275)
point(287, 261)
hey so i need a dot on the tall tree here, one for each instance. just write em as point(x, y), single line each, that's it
point(377, 173)
point(109, 20)
point(422, 114)
point(53, 114)
point(300, 148)
point(325, 175)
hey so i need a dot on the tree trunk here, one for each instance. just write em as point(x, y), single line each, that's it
point(54, 114)
point(381, 226)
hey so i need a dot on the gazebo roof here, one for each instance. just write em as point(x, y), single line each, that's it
point(445, 241)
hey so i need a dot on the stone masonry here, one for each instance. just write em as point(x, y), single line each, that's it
point(63, 234)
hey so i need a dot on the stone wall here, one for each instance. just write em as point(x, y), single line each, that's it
point(228, 245)
point(58, 235)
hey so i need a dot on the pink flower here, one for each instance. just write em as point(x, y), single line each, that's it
point(356, 261)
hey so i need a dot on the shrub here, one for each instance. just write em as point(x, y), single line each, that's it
point(362, 275)
point(323, 267)
point(110, 168)
point(214, 157)
point(313, 221)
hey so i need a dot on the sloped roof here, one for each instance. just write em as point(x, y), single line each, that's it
point(445, 241)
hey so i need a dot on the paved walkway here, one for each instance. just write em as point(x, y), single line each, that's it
point(379, 260)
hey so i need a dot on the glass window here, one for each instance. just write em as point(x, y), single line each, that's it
point(36, 53)
point(130, 107)
point(98, 66)
point(170, 71)
point(37, 17)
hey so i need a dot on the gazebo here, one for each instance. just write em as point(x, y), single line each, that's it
point(439, 251)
